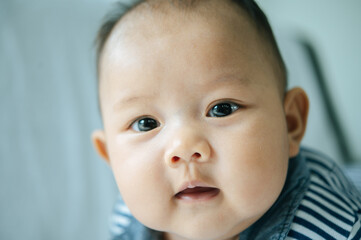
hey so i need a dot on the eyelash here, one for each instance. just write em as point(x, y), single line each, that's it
point(229, 106)
point(232, 107)
point(151, 120)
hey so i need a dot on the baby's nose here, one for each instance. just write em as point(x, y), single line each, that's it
point(187, 147)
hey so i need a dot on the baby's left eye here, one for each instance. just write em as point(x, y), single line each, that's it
point(223, 109)
point(144, 124)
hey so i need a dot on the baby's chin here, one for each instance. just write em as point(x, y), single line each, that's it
point(212, 231)
point(191, 224)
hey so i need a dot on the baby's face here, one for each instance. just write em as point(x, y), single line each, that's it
point(194, 124)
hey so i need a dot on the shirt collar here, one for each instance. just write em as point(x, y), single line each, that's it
point(276, 222)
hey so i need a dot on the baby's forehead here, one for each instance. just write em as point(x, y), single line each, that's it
point(211, 24)
point(153, 18)
point(152, 21)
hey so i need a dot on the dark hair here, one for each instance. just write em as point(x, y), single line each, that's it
point(258, 18)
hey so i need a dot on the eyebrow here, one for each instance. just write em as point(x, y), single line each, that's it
point(229, 78)
point(129, 99)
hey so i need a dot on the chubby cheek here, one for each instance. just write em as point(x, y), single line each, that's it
point(141, 182)
point(257, 156)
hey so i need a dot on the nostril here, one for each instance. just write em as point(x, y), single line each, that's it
point(175, 159)
point(197, 155)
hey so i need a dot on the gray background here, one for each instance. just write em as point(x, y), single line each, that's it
point(52, 184)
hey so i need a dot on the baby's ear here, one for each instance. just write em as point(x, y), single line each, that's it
point(296, 107)
point(99, 142)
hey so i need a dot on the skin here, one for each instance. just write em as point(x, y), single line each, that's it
point(174, 66)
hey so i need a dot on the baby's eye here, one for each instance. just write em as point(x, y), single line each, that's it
point(223, 109)
point(144, 124)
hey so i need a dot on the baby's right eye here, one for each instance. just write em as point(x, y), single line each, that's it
point(223, 109)
point(144, 124)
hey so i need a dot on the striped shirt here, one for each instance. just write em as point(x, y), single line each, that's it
point(317, 202)
point(331, 207)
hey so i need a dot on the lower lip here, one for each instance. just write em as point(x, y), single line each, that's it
point(198, 196)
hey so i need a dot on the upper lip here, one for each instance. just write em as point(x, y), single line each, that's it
point(193, 184)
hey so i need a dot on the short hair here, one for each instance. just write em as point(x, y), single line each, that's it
point(250, 7)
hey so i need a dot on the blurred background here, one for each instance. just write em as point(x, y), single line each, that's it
point(53, 185)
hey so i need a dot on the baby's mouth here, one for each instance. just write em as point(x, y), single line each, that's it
point(197, 193)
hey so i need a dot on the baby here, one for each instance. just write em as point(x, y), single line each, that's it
point(201, 134)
